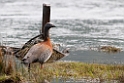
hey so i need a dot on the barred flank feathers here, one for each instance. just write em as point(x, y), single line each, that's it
point(55, 56)
point(23, 51)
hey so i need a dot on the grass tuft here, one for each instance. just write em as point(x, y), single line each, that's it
point(68, 70)
point(77, 70)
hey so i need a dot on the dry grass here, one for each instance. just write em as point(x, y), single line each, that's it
point(107, 49)
point(77, 70)
point(110, 49)
point(10, 79)
point(67, 70)
point(1, 61)
point(59, 70)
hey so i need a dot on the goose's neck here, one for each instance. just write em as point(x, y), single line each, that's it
point(46, 34)
point(48, 42)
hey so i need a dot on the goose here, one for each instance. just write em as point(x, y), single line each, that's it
point(41, 51)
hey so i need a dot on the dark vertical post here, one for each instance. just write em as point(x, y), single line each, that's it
point(45, 16)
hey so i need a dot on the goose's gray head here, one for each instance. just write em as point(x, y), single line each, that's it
point(47, 26)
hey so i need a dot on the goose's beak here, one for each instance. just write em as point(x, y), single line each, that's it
point(53, 25)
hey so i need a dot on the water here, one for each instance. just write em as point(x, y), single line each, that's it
point(81, 24)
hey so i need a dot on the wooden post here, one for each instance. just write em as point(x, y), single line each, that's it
point(45, 16)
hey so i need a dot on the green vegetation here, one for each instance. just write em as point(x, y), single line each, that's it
point(67, 70)
point(9, 79)
point(11, 72)
point(78, 70)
